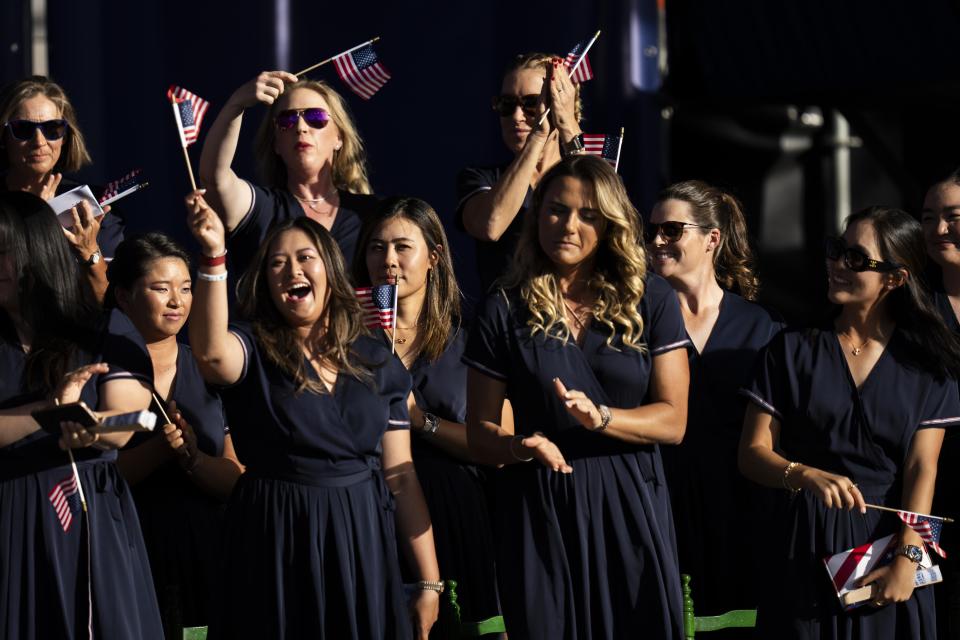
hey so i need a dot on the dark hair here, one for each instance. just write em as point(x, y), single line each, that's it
point(710, 207)
point(73, 154)
point(342, 313)
point(932, 346)
point(53, 300)
point(442, 303)
point(132, 259)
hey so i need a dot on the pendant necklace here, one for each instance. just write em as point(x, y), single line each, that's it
point(855, 350)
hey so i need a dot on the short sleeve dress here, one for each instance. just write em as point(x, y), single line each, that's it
point(493, 258)
point(711, 499)
point(453, 489)
point(182, 525)
point(47, 543)
point(309, 544)
point(273, 206)
point(863, 433)
point(590, 554)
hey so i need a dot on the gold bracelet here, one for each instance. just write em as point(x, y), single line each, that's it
point(786, 477)
point(430, 585)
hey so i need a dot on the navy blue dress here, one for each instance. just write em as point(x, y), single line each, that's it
point(711, 499)
point(591, 554)
point(309, 545)
point(803, 380)
point(44, 558)
point(269, 207)
point(454, 490)
point(181, 523)
point(493, 258)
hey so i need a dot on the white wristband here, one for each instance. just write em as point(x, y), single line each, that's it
point(212, 277)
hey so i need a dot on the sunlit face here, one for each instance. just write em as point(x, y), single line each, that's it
point(303, 148)
point(569, 224)
point(37, 156)
point(398, 249)
point(691, 254)
point(516, 127)
point(941, 224)
point(159, 302)
point(8, 281)
point(297, 278)
point(851, 287)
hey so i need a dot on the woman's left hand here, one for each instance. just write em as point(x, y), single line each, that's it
point(83, 234)
point(563, 100)
point(416, 414)
point(892, 583)
point(578, 405)
point(424, 609)
point(182, 439)
point(75, 436)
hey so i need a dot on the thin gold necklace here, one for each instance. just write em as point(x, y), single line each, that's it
point(404, 340)
point(854, 349)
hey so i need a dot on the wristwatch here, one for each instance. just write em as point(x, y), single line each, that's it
point(573, 147)
point(911, 552)
point(94, 258)
point(431, 424)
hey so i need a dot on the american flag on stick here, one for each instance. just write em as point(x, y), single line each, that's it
point(607, 146)
point(65, 499)
point(577, 62)
point(189, 109)
point(379, 305)
point(361, 70)
point(929, 529)
point(122, 187)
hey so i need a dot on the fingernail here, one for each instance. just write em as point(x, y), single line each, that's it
point(202, 191)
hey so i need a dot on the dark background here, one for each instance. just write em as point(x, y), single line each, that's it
point(747, 101)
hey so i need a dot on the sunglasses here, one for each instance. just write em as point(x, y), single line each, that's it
point(25, 129)
point(507, 105)
point(315, 117)
point(854, 259)
point(670, 231)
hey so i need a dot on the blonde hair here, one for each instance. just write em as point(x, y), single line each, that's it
point(342, 314)
point(544, 61)
point(620, 263)
point(349, 162)
point(73, 155)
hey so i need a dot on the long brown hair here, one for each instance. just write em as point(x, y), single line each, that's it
point(342, 315)
point(441, 308)
point(714, 208)
point(73, 154)
point(349, 162)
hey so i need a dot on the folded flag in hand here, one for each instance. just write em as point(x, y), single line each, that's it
point(379, 305)
point(362, 71)
point(189, 110)
point(583, 72)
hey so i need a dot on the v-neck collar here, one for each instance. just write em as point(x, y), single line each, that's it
point(713, 330)
point(838, 345)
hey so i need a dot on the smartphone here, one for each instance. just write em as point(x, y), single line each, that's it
point(50, 418)
point(133, 421)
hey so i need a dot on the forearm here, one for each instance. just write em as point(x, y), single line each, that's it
point(763, 465)
point(17, 423)
point(654, 423)
point(138, 463)
point(96, 278)
point(209, 332)
point(919, 481)
point(451, 437)
point(216, 160)
point(414, 525)
point(215, 475)
point(489, 444)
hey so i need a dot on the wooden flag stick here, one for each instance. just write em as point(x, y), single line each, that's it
point(879, 508)
point(393, 326)
point(183, 141)
point(616, 164)
point(573, 69)
point(160, 406)
point(320, 64)
point(76, 478)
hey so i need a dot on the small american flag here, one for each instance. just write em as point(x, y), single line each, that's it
point(584, 72)
point(66, 501)
point(928, 528)
point(191, 109)
point(362, 71)
point(379, 305)
point(115, 188)
point(607, 146)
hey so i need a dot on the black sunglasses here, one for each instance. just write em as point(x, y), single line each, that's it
point(506, 105)
point(854, 259)
point(315, 117)
point(25, 129)
point(671, 231)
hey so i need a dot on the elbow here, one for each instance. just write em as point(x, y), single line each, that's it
point(679, 429)
point(482, 232)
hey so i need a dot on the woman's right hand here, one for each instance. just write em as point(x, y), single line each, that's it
point(834, 491)
point(265, 88)
point(546, 452)
point(206, 225)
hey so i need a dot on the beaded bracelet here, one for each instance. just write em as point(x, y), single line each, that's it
point(786, 477)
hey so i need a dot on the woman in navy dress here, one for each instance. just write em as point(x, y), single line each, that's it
point(66, 573)
point(492, 201)
point(312, 163)
point(405, 242)
point(849, 415)
point(318, 411)
point(697, 240)
point(590, 349)
point(183, 472)
point(940, 220)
